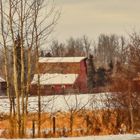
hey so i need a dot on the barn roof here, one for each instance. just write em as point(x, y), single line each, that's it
point(1, 79)
point(55, 79)
point(60, 59)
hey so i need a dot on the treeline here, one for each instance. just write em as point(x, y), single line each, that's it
point(113, 62)
point(108, 53)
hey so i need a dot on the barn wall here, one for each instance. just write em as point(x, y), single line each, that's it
point(51, 90)
point(81, 82)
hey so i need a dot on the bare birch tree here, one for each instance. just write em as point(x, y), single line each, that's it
point(25, 25)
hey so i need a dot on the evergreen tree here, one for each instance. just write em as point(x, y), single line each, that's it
point(90, 73)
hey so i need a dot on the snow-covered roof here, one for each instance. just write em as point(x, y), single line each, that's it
point(55, 79)
point(60, 59)
point(1, 79)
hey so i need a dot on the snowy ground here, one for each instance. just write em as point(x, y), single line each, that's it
point(109, 137)
point(63, 103)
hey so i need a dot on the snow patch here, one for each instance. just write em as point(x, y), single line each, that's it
point(56, 103)
point(1, 79)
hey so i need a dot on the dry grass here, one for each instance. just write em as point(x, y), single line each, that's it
point(84, 123)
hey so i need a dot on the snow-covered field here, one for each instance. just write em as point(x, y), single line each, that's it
point(109, 137)
point(63, 103)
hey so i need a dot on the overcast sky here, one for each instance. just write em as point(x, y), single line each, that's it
point(92, 17)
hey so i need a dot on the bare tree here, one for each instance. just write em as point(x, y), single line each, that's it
point(86, 45)
point(127, 95)
point(74, 47)
point(107, 49)
point(26, 20)
point(57, 49)
point(4, 36)
point(74, 108)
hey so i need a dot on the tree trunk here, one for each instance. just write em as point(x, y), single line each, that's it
point(28, 80)
point(39, 96)
point(22, 67)
point(17, 92)
point(131, 109)
point(71, 124)
point(6, 67)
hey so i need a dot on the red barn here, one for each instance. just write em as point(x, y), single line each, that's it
point(61, 75)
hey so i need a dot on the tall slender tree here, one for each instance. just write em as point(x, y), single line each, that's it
point(25, 24)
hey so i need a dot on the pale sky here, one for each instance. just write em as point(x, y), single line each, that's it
point(92, 17)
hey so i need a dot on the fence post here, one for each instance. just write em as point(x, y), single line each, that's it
point(54, 123)
point(33, 128)
point(87, 123)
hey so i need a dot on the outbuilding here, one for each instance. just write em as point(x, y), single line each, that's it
point(61, 75)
